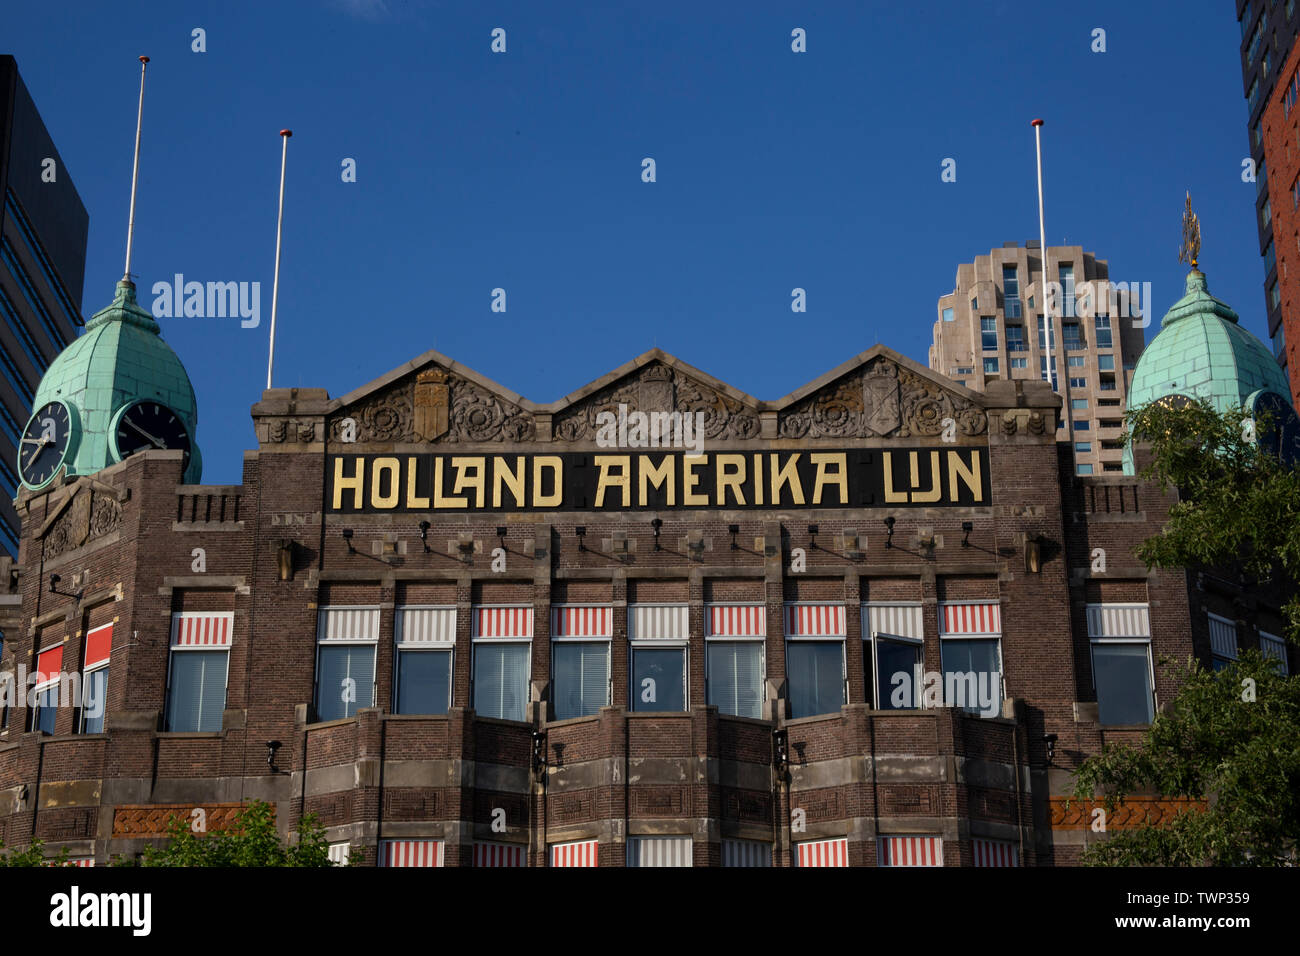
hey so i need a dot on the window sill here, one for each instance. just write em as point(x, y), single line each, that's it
point(189, 734)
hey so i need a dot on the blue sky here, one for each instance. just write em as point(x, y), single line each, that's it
point(522, 171)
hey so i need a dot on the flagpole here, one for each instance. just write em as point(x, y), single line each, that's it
point(1042, 242)
point(135, 173)
point(279, 224)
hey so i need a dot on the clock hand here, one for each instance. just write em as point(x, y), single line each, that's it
point(155, 441)
point(37, 441)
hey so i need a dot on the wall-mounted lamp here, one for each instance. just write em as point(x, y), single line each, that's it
point(284, 559)
point(466, 547)
point(1033, 554)
point(889, 526)
point(966, 528)
point(347, 536)
point(656, 523)
point(812, 534)
point(781, 750)
point(271, 747)
point(501, 535)
point(581, 532)
point(539, 751)
point(733, 530)
point(54, 580)
point(1050, 740)
point(424, 535)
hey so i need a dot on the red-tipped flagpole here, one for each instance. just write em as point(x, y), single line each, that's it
point(135, 173)
point(1042, 242)
point(275, 284)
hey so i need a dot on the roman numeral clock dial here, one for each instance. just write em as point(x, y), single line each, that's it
point(45, 444)
point(145, 425)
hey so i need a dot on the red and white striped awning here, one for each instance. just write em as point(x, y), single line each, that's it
point(975, 617)
point(202, 628)
point(912, 851)
point(814, 620)
point(1223, 637)
point(99, 643)
point(425, 625)
point(894, 620)
point(581, 853)
point(499, 854)
point(1119, 620)
point(502, 622)
point(995, 852)
point(735, 620)
point(75, 861)
point(658, 622)
point(410, 853)
point(49, 664)
point(822, 852)
point(582, 620)
point(348, 624)
point(750, 853)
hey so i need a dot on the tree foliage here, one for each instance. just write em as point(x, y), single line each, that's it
point(33, 855)
point(251, 841)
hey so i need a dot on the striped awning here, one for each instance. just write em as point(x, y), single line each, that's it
point(75, 861)
point(660, 851)
point(995, 852)
point(410, 853)
point(426, 625)
point(658, 622)
point(502, 622)
point(1119, 620)
point(49, 663)
point(814, 620)
point(735, 620)
point(1270, 645)
point(822, 852)
point(202, 629)
point(581, 853)
point(976, 617)
point(895, 620)
point(912, 851)
point(348, 624)
point(1223, 637)
point(99, 643)
point(340, 853)
point(499, 854)
point(582, 620)
point(746, 853)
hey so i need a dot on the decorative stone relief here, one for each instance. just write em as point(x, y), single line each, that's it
point(91, 515)
point(881, 399)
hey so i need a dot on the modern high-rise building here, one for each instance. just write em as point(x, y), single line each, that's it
point(990, 327)
point(1268, 31)
point(43, 231)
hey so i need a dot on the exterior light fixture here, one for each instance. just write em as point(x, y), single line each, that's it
point(656, 523)
point(539, 751)
point(284, 559)
point(424, 535)
point(889, 526)
point(1050, 740)
point(812, 533)
point(501, 534)
point(347, 536)
point(271, 747)
point(733, 530)
point(1033, 554)
point(581, 532)
point(781, 750)
point(966, 528)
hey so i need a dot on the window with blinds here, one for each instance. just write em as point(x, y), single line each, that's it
point(425, 639)
point(99, 645)
point(814, 658)
point(1120, 638)
point(196, 685)
point(1223, 641)
point(580, 679)
point(896, 634)
point(1272, 646)
point(347, 638)
point(502, 636)
point(658, 635)
point(734, 658)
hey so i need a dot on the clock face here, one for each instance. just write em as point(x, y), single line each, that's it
point(45, 444)
point(145, 425)
point(1278, 428)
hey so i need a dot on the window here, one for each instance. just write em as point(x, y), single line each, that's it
point(814, 658)
point(1077, 403)
point(340, 853)
point(1270, 645)
point(1106, 383)
point(1020, 363)
point(1082, 425)
point(1066, 272)
point(659, 635)
point(425, 638)
point(1073, 337)
point(990, 366)
point(1011, 292)
point(1042, 338)
point(895, 633)
point(1266, 213)
point(49, 668)
point(1223, 641)
point(1102, 326)
point(1246, 19)
point(660, 851)
point(1042, 369)
point(1270, 257)
point(1261, 177)
point(947, 315)
point(1084, 470)
point(1078, 383)
point(734, 643)
point(1120, 636)
point(747, 853)
point(1252, 95)
point(1077, 361)
point(988, 333)
point(410, 853)
point(502, 637)
point(1274, 296)
point(1015, 338)
point(962, 370)
point(1106, 363)
point(1267, 63)
point(1256, 39)
point(822, 853)
point(970, 644)
point(580, 638)
point(196, 684)
point(995, 852)
point(1111, 466)
point(99, 643)
point(579, 853)
point(1279, 341)
point(346, 640)
point(1083, 447)
point(1290, 8)
point(911, 851)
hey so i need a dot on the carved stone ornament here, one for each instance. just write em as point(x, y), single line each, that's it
point(881, 399)
point(435, 406)
point(91, 515)
point(658, 388)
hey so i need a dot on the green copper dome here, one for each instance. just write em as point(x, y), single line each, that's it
point(120, 359)
point(1202, 352)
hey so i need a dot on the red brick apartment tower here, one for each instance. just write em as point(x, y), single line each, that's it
point(482, 636)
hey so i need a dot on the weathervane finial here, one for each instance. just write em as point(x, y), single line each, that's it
point(1191, 247)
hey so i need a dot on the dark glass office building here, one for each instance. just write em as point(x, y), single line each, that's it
point(43, 228)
